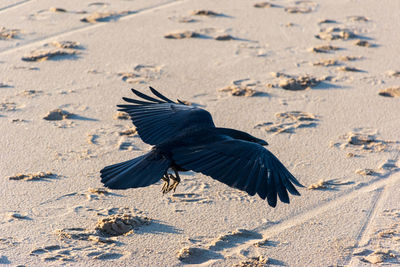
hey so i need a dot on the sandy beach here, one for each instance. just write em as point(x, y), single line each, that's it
point(318, 80)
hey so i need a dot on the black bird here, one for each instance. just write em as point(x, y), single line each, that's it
point(185, 138)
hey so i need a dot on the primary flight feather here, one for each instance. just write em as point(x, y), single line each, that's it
point(185, 138)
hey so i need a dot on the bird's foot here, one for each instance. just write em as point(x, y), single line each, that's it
point(166, 186)
point(173, 185)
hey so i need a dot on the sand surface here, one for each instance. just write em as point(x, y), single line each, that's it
point(318, 80)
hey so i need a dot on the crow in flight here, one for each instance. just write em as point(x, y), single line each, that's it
point(185, 138)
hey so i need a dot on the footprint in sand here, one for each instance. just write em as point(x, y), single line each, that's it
point(363, 140)
point(100, 242)
point(335, 61)
point(233, 195)
point(288, 122)
point(385, 168)
point(296, 83)
point(39, 176)
point(142, 74)
point(212, 249)
point(57, 115)
point(9, 106)
point(254, 261)
point(121, 224)
point(333, 184)
point(105, 16)
point(335, 33)
point(120, 115)
point(188, 198)
point(252, 49)
point(381, 245)
point(59, 50)
point(126, 143)
point(302, 7)
point(8, 33)
point(242, 87)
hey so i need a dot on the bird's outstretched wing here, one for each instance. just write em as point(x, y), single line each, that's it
point(240, 164)
point(159, 119)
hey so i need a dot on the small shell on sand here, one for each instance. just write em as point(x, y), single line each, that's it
point(120, 224)
point(181, 35)
point(324, 49)
point(390, 92)
point(8, 33)
point(224, 37)
point(104, 16)
point(239, 91)
point(120, 115)
point(32, 176)
point(57, 115)
point(205, 13)
point(299, 83)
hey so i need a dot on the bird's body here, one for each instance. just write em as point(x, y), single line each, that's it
point(185, 138)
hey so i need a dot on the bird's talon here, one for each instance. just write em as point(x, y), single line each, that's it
point(166, 185)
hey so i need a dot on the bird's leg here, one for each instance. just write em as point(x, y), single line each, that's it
point(165, 187)
point(176, 180)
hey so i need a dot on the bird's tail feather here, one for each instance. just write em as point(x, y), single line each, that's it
point(138, 172)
